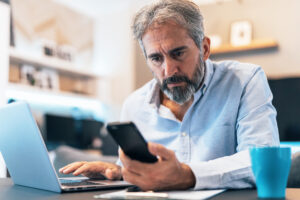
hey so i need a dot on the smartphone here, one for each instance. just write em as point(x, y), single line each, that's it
point(131, 141)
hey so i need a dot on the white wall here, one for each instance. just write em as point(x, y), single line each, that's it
point(4, 44)
point(278, 20)
point(113, 56)
point(113, 47)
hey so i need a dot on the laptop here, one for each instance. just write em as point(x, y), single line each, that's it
point(27, 159)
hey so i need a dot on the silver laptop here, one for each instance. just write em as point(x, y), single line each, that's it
point(27, 159)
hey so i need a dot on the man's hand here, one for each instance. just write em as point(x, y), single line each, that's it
point(93, 170)
point(166, 174)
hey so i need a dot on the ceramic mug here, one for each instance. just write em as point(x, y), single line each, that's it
point(271, 166)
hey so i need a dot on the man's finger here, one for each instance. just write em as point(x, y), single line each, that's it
point(128, 162)
point(90, 167)
point(132, 177)
point(72, 167)
point(161, 151)
point(82, 169)
point(113, 173)
point(65, 167)
point(134, 166)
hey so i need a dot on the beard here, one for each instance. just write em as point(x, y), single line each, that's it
point(182, 94)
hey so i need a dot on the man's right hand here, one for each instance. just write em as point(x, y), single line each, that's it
point(95, 169)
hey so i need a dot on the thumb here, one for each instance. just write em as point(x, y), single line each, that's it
point(113, 174)
point(161, 151)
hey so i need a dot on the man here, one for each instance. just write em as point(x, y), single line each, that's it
point(199, 116)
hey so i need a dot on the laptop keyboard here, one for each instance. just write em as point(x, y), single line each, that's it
point(77, 183)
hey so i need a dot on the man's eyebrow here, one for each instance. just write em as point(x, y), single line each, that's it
point(170, 51)
point(153, 55)
point(177, 49)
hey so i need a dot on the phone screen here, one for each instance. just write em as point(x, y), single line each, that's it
point(131, 141)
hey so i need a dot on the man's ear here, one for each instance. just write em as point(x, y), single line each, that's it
point(206, 48)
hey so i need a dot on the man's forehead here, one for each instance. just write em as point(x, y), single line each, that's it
point(157, 25)
point(165, 29)
point(165, 35)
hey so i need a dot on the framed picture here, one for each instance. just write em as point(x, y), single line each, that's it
point(215, 41)
point(241, 33)
point(28, 75)
point(49, 79)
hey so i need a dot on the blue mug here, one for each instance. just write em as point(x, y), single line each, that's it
point(271, 166)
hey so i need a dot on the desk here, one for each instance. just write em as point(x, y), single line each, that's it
point(8, 191)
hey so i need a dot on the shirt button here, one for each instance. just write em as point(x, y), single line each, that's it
point(183, 134)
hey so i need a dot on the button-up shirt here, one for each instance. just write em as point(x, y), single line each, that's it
point(231, 112)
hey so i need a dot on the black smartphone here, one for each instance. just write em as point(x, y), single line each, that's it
point(131, 141)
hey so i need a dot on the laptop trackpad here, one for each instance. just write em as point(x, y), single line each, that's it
point(80, 181)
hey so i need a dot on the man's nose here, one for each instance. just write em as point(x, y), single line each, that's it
point(170, 67)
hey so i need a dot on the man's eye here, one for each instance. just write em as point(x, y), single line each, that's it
point(178, 54)
point(155, 59)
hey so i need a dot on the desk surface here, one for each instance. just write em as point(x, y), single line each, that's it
point(8, 191)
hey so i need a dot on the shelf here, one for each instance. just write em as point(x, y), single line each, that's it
point(49, 63)
point(255, 45)
point(44, 96)
point(32, 89)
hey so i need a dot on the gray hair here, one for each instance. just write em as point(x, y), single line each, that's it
point(183, 12)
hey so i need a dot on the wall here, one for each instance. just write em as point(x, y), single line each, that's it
point(278, 19)
point(4, 43)
point(142, 71)
point(113, 56)
point(113, 49)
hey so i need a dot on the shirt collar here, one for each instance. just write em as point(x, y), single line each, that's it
point(153, 97)
point(209, 71)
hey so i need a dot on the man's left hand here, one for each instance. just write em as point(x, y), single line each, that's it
point(165, 174)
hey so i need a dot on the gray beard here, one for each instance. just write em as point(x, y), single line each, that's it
point(182, 94)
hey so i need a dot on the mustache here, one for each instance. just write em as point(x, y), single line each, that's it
point(176, 79)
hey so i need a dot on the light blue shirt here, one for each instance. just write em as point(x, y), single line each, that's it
point(231, 112)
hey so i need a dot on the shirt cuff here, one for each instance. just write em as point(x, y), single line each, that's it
point(226, 172)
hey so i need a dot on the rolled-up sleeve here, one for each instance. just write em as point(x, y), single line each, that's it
point(256, 126)
point(226, 172)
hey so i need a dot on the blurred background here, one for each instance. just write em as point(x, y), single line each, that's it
point(75, 62)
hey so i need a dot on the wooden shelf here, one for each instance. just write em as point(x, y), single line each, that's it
point(37, 95)
point(49, 63)
point(255, 45)
point(32, 89)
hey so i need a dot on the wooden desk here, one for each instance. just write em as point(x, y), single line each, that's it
point(8, 191)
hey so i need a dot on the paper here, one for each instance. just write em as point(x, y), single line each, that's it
point(201, 194)
point(192, 195)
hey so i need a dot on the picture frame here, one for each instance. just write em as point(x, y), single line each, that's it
point(49, 79)
point(215, 41)
point(28, 76)
point(241, 33)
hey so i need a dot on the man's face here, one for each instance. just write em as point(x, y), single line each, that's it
point(174, 60)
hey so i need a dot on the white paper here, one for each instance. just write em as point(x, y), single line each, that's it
point(201, 194)
point(192, 195)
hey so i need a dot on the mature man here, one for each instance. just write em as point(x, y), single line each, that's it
point(199, 116)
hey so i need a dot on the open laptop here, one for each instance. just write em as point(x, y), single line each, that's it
point(27, 159)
